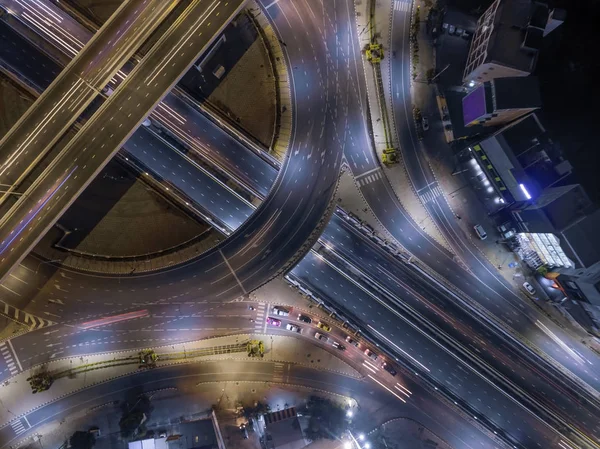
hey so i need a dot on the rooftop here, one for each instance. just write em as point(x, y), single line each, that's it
point(517, 92)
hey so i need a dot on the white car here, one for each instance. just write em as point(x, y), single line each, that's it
point(425, 123)
point(293, 328)
point(280, 311)
point(528, 288)
point(480, 232)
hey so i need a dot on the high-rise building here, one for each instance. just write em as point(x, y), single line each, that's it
point(501, 101)
point(508, 38)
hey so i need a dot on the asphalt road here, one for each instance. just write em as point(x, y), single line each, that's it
point(429, 307)
point(199, 131)
point(82, 158)
point(33, 136)
point(422, 406)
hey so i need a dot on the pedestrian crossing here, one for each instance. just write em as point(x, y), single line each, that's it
point(278, 372)
point(430, 196)
point(261, 316)
point(402, 6)
point(369, 179)
point(18, 425)
point(11, 363)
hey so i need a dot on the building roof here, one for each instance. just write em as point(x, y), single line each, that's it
point(504, 47)
point(516, 92)
point(283, 429)
point(583, 240)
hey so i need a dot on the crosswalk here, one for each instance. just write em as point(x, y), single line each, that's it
point(261, 316)
point(278, 372)
point(369, 179)
point(18, 425)
point(400, 5)
point(11, 362)
point(430, 196)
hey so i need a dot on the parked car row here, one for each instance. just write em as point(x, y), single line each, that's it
point(456, 31)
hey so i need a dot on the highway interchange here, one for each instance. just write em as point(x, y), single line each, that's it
point(299, 15)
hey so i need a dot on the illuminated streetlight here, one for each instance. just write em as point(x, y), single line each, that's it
point(361, 436)
point(349, 413)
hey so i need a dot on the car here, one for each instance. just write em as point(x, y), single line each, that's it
point(371, 354)
point(304, 318)
point(293, 328)
point(324, 326)
point(339, 346)
point(459, 31)
point(244, 431)
point(480, 232)
point(425, 123)
point(451, 29)
point(353, 342)
point(280, 311)
point(528, 288)
point(445, 26)
point(389, 368)
point(274, 322)
point(321, 337)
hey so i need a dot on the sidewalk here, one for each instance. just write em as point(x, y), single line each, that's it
point(397, 174)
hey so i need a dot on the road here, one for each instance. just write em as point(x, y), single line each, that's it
point(422, 407)
point(45, 122)
point(82, 158)
point(201, 132)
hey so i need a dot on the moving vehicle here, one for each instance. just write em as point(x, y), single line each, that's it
point(304, 318)
point(339, 346)
point(324, 326)
point(293, 328)
point(321, 337)
point(244, 431)
point(274, 322)
point(529, 288)
point(480, 231)
point(425, 123)
point(280, 311)
point(371, 354)
point(389, 368)
point(352, 341)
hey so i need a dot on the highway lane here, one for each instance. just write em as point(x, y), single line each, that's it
point(425, 355)
point(431, 306)
point(389, 211)
point(171, 166)
point(201, 132)
point(484, 286)
point(422, 407)
point(81, 159)
point(33, 136)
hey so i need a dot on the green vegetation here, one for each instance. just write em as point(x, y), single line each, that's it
point(327, 419)
point(256, 410)
point(135, 412)
point(82, 440)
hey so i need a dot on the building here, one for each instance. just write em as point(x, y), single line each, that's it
point(501, 100)
point(550, 228)
point(581, 287)
point(517, 162)
point(283, 430)
point(507, 39)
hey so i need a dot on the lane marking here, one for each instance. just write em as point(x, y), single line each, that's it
point(232, 272)
point(15, 354)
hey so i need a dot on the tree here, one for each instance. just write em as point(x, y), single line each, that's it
point(327, 419)
point(256, 410)
point(82, 440)
point(134, 415)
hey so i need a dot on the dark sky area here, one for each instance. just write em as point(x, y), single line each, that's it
point(569, 72)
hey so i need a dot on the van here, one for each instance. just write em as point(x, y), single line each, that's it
point(480, 232)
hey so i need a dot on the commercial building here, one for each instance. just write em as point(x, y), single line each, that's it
point(517, 162)
point(501, 100)
point(508, 38)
